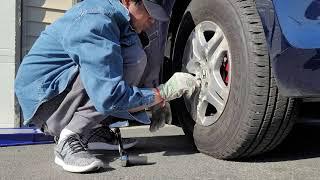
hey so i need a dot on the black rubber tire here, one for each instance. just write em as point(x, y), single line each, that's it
point(256, 117)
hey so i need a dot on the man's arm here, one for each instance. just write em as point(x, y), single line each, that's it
point(157, 99)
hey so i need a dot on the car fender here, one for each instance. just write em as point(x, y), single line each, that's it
point(293, 48)
point(300, 22)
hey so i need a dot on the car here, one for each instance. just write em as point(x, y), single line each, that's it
point(256, 59)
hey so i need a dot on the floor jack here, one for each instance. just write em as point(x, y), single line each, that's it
point(125, 159)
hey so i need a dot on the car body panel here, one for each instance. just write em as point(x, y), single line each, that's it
point(295, 62)
point(300, 22)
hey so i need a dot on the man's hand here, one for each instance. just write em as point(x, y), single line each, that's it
point(161, 115)
point(178, 85)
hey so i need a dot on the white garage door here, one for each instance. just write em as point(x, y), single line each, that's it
point(36, 15)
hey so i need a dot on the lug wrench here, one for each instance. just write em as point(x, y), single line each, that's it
point(125, 159)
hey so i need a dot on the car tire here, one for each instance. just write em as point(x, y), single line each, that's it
point(255, 118)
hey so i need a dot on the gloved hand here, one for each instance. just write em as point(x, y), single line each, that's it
point(179, 84)
point(161, 115)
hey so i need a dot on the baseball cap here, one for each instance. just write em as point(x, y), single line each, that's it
point(155, 9)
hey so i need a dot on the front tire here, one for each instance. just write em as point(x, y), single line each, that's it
point(254, 117)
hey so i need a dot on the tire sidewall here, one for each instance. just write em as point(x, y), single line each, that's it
point(216, 139)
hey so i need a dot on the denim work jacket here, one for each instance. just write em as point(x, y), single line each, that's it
point(88, 40)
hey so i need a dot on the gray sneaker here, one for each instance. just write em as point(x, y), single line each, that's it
point(72, 156)
point(103, 138)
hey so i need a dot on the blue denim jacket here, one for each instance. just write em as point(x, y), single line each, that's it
point(87, 39)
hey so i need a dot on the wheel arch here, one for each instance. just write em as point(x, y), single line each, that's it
point(176, 18)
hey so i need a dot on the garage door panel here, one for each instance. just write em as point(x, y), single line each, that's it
point(37, 15)
point(50, 4)
point(29, 42)
point(42, 15)
point(35, 28)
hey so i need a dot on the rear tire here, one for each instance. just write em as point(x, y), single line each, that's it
point(256, 118)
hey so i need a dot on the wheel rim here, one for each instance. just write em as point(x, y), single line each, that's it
point(207, 56)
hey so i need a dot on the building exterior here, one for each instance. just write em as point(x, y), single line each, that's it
point(22, 21)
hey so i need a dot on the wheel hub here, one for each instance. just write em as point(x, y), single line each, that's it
point(206, 55)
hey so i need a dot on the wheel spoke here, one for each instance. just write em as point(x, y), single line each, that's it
point(200, 35)
point(216, 58)
point(191, 62)
point(215, 100)
point(192, 67)
point(199, 42)
point(217, 85)
point(214, 42)
point(201, 110)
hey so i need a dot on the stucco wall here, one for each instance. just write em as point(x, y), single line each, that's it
point(19, 29)
point(8, 55)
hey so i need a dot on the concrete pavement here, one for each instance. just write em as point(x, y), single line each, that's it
point(171, 157)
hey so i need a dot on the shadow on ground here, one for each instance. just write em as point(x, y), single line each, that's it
point(301, 143)
point(168, 145)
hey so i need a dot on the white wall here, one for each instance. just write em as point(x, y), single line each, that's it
point(7, 63)
point(37, 14)
point(16, 40)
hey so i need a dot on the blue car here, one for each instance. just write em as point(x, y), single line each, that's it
point(255, 59)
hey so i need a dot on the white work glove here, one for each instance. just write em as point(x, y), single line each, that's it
point(161, 115)
point(179, 84)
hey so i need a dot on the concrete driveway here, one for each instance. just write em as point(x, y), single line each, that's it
point(171, 156)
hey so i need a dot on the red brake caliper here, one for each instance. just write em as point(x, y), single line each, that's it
point(226, 70)
point(226, 80)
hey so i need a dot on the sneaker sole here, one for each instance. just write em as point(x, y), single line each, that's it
point(78, 169)
point(105, 146)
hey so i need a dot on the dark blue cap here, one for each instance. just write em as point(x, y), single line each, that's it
point(156, 10)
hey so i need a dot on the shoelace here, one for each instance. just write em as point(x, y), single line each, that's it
point(75, 143)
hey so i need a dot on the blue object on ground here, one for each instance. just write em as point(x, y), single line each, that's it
point(23, 136)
